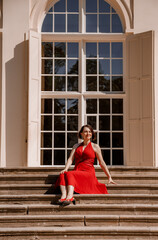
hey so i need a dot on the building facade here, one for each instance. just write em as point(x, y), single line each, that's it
point(67, 63)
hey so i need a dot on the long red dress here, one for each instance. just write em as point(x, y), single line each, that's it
point(82, 177)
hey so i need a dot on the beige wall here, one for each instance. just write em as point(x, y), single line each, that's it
point(15, 25)
point(145, 19)
point(15, 71)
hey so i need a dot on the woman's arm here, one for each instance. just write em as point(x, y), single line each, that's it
point(102, 163)
point(70, 159)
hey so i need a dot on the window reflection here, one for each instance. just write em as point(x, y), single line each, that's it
point(59, 106)
point(72, 5)
point(72, 106)
point(73, 23)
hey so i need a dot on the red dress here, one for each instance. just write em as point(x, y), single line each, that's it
point(83, 176)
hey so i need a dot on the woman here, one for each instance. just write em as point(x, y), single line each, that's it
point(82, 179)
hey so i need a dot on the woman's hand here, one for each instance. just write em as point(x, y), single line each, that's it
point(111, 181)
point(64, 170)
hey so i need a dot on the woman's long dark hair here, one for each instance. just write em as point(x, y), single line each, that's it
point(91, 129)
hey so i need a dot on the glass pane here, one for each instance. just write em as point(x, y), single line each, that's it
point(60, 66)
point(46, 140)
point(46, 106)
point(104, 122)
point(104, 50)
point(113, 10)
point(50, 10)
point(104, 23)
point(117, 50)
point(46, 83)
point(72, 123)
point(60, 6)
point(59, 83)
point(59, 140)
point(72, 50)
point(91, 50)
point(117, 123)
point(59, 123)
point(59, 106)
point(72, 84)
point(72, 66)
point(104, 6)
point(117, 157)
point(91, 83)
point(60, 49)
point(46, 157)
point(117, 106)
point(104, 139)
point(46, 123)
point(104, 83)
point(47, 49)
point(72, 106)
point(91, 120)
point(47, 25)
point(104, 105)
point(106, 156)
point(73, 23)
point(117, 83)
point(104, 66)
point(91, 106)
point(117, 140)
point(91, 23)
point(59, 157)
point(91, 66)
point(72, 5)
point(91, 6)
point(116, 24)
point(117, 66)
point(59, 25)
point(47, 66)
point(72, 139)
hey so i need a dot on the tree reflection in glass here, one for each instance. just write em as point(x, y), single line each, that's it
point(59, 123)
point(72, 83)
point(72, 123)
point(59, 106)
point(59, 83)
point(104, 83)
point(73, 66)
point(91, 83)
point(72, 106)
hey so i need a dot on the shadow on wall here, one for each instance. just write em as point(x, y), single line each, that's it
point(16, 107)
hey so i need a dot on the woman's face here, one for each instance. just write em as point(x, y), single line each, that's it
point(86, 134)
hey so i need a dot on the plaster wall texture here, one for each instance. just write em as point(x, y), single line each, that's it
point(15, 25)
point(145, 19)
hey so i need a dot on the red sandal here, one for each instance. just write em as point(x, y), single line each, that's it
point(61, 200)
point(69, 201)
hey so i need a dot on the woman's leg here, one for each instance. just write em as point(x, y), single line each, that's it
point(70, 191)
point(63, 190)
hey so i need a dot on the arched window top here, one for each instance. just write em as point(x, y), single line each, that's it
point(98, 16)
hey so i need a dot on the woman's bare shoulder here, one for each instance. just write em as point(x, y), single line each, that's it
point(95, 147)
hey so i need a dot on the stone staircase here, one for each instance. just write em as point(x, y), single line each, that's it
point(28, 210)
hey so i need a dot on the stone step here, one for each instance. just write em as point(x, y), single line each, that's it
point(81, 199)
point(77, 220)
point(6, 189)
point(55, 170)
point(90, 232)
point(51, 179)
point(80, 209)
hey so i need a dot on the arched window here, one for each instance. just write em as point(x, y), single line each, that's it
point(82, 79)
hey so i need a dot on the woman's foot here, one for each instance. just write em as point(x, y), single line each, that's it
point(69, 201)
point(60, 201)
